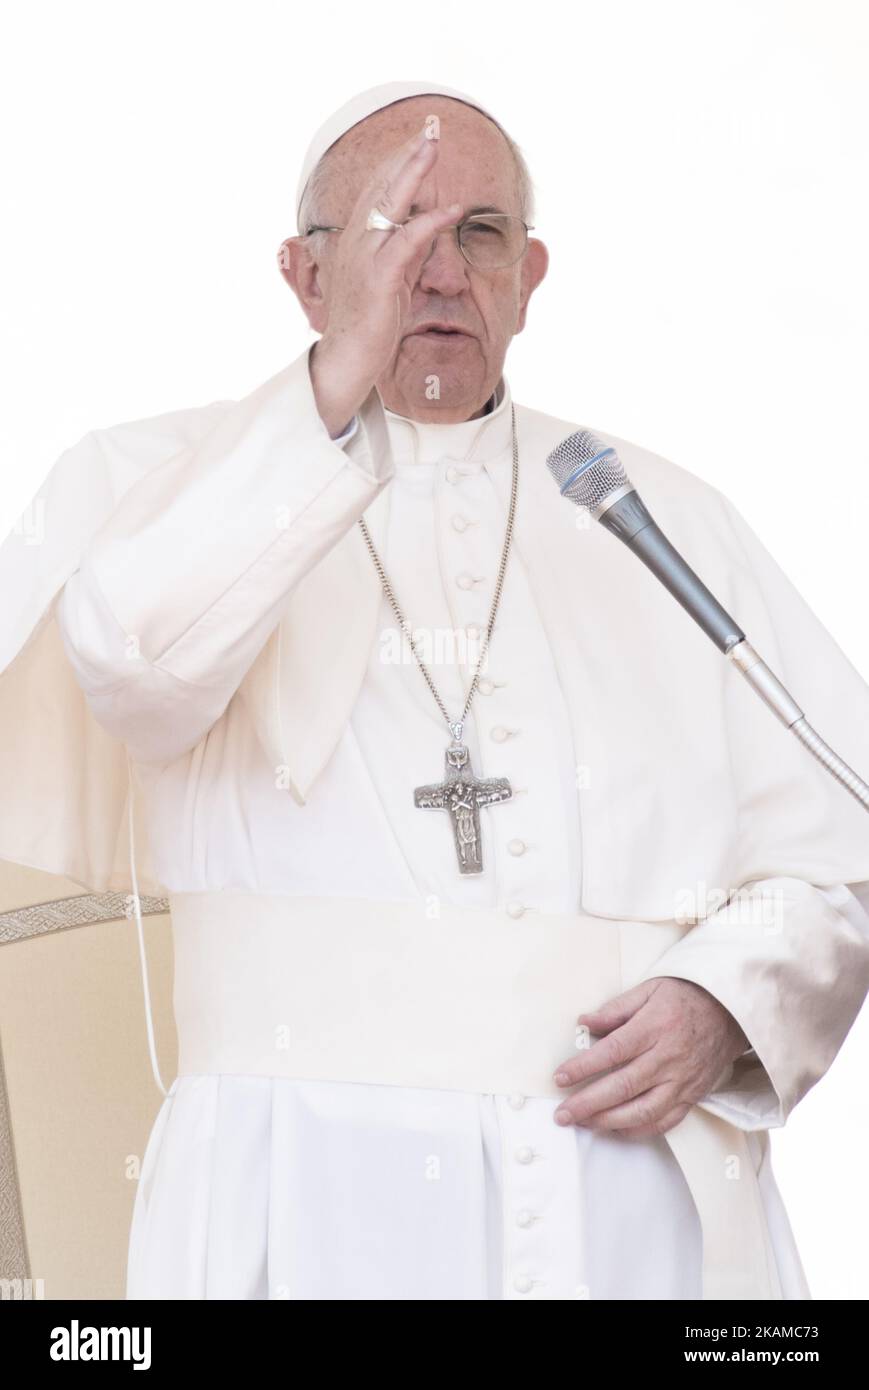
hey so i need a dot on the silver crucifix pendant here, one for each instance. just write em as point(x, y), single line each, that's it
point(462, 794)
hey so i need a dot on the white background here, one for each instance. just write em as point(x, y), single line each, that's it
point(701, 172)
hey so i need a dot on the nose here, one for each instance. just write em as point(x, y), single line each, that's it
point(444, 268)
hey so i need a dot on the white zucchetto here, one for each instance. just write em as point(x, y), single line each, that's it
point(365, 104)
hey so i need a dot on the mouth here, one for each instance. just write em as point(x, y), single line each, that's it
point(439, 331)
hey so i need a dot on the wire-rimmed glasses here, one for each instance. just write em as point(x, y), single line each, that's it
point(488, 241)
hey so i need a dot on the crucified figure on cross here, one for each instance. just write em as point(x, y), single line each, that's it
point(462, 794)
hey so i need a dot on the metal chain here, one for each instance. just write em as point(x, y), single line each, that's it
point(455, 725)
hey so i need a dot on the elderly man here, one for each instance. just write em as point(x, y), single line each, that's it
point(429, 773)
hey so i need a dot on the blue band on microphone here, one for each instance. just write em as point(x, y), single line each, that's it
point(583, 468)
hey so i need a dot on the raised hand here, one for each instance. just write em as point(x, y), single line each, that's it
point(373, 275)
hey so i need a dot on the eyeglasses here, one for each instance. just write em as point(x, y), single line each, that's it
point(488, 241)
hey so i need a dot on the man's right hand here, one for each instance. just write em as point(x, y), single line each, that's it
point(372, 281)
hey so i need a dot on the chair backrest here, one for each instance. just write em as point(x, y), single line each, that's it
point(77, 1096)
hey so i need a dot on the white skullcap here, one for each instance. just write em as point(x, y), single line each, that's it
point(365, 104)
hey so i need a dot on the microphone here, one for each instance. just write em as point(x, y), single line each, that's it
point(591, 475)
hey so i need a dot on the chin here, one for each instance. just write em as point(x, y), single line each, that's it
point(456, 386)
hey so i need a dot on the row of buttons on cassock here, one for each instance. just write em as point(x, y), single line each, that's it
point(522, 1283)
point(524, 1154)
point(524, 1218)
point(486, 686)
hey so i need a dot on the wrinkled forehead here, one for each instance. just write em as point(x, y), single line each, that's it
point(475, 165)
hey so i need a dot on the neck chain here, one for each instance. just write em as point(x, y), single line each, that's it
point(461, 793)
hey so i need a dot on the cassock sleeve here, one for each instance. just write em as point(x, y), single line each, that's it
point(793, 971)
point(178, 591)
point(790, 961)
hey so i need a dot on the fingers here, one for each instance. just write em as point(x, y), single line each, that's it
point(375, 271)
point(616, 1050)
point(411, 242)
point(660, 1124)
point(396, 181)
point(392, 189)
point(619, 1088)
point(645, 1110)
point(617, 1011)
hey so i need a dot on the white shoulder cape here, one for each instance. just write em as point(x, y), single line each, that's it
point(694, 779)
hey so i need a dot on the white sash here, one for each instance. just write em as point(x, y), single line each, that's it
point(333, 989)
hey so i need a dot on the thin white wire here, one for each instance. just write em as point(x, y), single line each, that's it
point(149, 1021)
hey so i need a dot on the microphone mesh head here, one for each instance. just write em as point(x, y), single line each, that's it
point(586, 470)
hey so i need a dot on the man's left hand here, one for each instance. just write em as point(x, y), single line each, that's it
point(669, 1041)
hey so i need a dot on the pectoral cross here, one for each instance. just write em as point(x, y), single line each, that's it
point(462, 794)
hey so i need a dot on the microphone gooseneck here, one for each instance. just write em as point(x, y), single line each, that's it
point(591, 475)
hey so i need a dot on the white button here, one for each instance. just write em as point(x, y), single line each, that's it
point(524, 1218)
point(465, 581)
point(485, 686)
point(516, 910)
point(452, 474)
point(524, 1155)
point(473, 632)
point(517, 847)
point(516, 1101)
point(500, 734)
point(522, 1283)
point(459, 523)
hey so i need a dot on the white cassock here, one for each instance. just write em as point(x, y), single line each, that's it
point(284, 1171)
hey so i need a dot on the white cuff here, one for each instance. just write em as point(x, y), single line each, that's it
point(348, 433)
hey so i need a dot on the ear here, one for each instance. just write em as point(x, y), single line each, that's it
point(535, 264)
point(302, 273)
